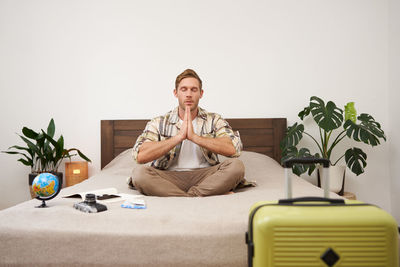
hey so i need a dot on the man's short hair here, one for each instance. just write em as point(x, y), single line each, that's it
point(187, 74)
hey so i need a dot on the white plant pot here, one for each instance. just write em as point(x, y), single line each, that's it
point(336, 178)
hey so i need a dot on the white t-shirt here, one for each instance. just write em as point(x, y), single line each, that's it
point(190, 156)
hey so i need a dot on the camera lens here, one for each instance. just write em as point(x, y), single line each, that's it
point(90, 198)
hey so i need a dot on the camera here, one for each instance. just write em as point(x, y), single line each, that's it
point(90, 205)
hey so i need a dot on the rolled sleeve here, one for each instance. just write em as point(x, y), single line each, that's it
point(223, 129)
point(150, 134)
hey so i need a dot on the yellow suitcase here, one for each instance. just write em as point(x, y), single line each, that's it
point(315, 231)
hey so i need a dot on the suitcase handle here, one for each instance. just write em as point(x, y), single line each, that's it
point(311, 199)
point(288, 164)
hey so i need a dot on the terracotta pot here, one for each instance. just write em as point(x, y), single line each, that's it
point(32, 176)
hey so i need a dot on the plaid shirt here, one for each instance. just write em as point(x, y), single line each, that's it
point(167, 126)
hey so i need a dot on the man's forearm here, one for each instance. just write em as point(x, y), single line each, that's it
point(150, 151)
point(221, 145)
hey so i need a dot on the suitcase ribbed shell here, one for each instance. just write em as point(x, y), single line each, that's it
point(324, 236)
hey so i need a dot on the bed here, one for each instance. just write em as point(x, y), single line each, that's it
point(172, 231)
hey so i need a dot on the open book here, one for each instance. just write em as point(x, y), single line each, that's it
point(105, 195)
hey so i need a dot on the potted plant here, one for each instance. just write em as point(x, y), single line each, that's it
point(43, 153)
point(333, 128)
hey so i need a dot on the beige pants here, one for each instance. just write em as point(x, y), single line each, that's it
point(215, 180)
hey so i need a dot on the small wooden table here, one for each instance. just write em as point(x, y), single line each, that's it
point(349, 195)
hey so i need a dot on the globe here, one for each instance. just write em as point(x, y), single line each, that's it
point(46, 186)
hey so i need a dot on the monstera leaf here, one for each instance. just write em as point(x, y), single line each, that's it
point(292, 152)
point(356, 160)
point(311, 167)
point(368, 131)
point(305, 112)
point(350, 112)
point(327, 117)
point(293, 136)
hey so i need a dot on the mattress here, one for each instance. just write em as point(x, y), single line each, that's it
point(172, 231)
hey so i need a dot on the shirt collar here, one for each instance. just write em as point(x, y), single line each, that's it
point(174, 118)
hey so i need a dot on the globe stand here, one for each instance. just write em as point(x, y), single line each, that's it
point(43, 205)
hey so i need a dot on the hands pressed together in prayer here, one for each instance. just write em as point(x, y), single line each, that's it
point(186, 131)
point(221, 145)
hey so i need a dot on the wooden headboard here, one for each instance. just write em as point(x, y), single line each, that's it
point(258, 135)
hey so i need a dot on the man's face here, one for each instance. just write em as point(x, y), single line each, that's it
point(188, 93)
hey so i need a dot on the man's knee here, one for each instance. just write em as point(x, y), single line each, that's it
point(236, 167)
point(140, 176)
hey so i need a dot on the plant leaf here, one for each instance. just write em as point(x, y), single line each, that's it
point(350, 112)
point(17, 153)
point(292, 152)
point(49, 138)
point(293, 136)
point(83, 156)
point(22, 148)
point(40, 141)
point(51, 128)
point(27, 163)
point(79, 153)
point(356, 160)
point(55, 154)
point(312, 167)
point(32, 146)
point(29, 133)
point(60, 147)
point(305, 112)
point(368, 131)
point(11, 152)
point(327, 117)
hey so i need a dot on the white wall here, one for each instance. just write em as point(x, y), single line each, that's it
point(394, 107)
point(83, 61)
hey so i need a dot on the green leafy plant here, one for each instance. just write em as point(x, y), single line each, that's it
point(332, 126)
point(42, 153)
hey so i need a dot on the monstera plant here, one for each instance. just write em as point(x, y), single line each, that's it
point(334, 125)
